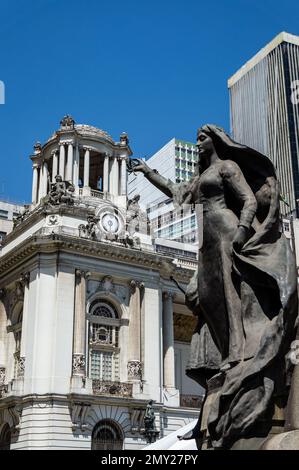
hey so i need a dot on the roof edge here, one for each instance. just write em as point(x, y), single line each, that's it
point(261, 54)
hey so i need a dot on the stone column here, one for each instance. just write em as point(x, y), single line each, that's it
point(40, 182)
point(62, 161)
point(35, 183)
point(123, 178)
point(114, 177)
point(25, 282)
point(45, 179)
point(106, 174)
point(79, 323)
point(54, 165)
point(70, 163)
point(76, 167)
point(86, 167)
point(134, 362)
point(168, 341)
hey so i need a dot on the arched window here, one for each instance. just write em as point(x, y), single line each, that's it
point(5, 438)
point(107, 435)
point(103, 341)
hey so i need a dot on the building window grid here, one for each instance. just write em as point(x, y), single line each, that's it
point(103, 342)
point(3, 214)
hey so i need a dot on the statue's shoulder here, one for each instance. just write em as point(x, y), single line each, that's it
point(229, 168)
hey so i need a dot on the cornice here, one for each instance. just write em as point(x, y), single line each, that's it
point(43, 244)
point(92, 399)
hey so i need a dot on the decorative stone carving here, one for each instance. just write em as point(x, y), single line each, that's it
point(20, 218)
point(2, 376)
point(37, 148)
point(3, 390)
point(61, 192)
point(20, 365)
point(134, 370)
point(106, 284)
point(133, 284)
point(15, 415)
point(78, 364)
point(119, 389)
point(25, 279)
point(80, 273)
point(67, 122)
point(52, 220)
point(124, 139)
point(150, 430)
point(136, 222)
point(137, 420)
point(79, 412)
point(90, 229)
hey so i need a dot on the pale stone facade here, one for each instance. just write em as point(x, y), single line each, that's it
point(87, 334)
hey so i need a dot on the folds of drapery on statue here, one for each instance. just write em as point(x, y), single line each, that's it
point(267, 268)
point(268, 290)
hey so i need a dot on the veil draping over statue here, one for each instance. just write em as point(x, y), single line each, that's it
point(264, 276)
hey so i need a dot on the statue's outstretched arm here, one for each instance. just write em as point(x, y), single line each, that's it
point(163, 184)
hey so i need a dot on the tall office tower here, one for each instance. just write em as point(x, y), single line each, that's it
point(174, 229)
point(264, 108)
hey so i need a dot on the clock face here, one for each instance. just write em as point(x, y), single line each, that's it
point(110, 223)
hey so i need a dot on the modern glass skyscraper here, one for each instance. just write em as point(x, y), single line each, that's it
point(264, 110)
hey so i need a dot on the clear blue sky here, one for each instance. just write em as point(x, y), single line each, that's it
point(155, 69)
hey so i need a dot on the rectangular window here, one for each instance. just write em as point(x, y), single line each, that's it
point(2, 236)
point(3, 214)
point(101, 365)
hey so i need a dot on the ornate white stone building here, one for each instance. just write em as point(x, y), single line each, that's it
point(91, 327)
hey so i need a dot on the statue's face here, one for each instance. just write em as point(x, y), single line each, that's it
point(204, 144)
point(58, 179)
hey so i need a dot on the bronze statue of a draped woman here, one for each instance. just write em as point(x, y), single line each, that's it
point(244, 291)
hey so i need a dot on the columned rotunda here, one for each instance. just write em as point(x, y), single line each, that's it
point(91, 326)
point(85, 156)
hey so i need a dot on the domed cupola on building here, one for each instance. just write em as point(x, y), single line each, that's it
point(84, 156)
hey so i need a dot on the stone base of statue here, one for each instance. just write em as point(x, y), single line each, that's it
point(284, 441)
point(268, 432)
point(151, 435)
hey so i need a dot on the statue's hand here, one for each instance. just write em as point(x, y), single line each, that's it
point(137, 164)
point(240, 238)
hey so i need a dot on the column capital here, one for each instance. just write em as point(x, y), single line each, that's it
point(25, 278)
point(168, 295)
point(86, 148)
point(79, 273)
point(36, 165)
point(54, 152)
point(133, 284)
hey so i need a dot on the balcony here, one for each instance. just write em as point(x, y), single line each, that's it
point(117, 389)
